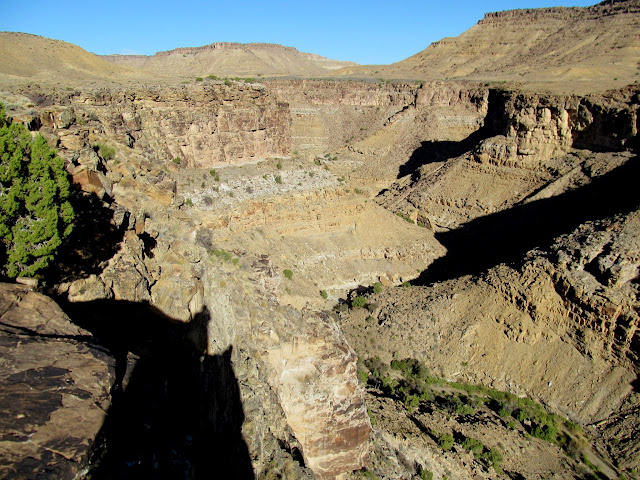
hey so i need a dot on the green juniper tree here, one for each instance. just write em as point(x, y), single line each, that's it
point(35, 213)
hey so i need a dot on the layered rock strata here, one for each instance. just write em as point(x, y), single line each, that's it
point(281, 415)
point(531, 146)
point(378, 124)
point(197, 125)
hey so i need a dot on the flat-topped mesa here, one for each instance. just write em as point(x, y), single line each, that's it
point(626, 6)
point(533, 13)
point(229, 59)
point(231, 46)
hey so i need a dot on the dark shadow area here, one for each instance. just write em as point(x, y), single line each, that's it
point(149, 243)
point(506, 236)
point(606, 130)
point(93, 241)
point(422, 427)
point(438, 151)
point(495, 123)
point(514, 475)
point(176, 413)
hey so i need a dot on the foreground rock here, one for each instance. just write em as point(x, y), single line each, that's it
point(55, 388)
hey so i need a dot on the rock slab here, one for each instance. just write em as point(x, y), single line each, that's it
point(55, 388)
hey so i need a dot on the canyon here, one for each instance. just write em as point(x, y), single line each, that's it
point(207, 320)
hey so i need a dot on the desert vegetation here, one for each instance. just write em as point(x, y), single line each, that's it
point(35, 213)
point(426, 398)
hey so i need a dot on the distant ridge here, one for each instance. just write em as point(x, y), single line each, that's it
point(226, 59)
point(23, 55)
point(598, 46)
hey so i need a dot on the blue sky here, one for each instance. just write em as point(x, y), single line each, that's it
point(366, 32)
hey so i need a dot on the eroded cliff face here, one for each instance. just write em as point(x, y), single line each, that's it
point(530, 146)
point(532, 129)
point(203, 126)
point(537, 294)
point(327, 115)
point(377, 127)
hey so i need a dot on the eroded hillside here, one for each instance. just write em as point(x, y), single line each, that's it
point(537, 294)
point(565, 50)
point(225, 59)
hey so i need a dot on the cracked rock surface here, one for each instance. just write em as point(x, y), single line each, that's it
point(55, 388)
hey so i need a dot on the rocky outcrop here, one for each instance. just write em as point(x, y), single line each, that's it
point(606, 7)
point(312, 370)
point(530, 145)
point(280, 423)
point(378, 126)
point(56, 388)
point(535, 128)
point(327, 115)
point(200, 126)
point(305, 362)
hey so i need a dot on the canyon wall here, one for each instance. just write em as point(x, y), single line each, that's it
point(531, 129)
point(531, 146)
point(282, 377)
point(213, 248)
point(203, 126)
point(358, 116)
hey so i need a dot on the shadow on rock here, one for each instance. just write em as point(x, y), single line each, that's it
point(495, 123)
point(176, 412)
point(506, 236)
point(439, 151)
point(93, 241)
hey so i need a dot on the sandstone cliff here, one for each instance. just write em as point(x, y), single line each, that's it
point(533, 147)
point(202, 126)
